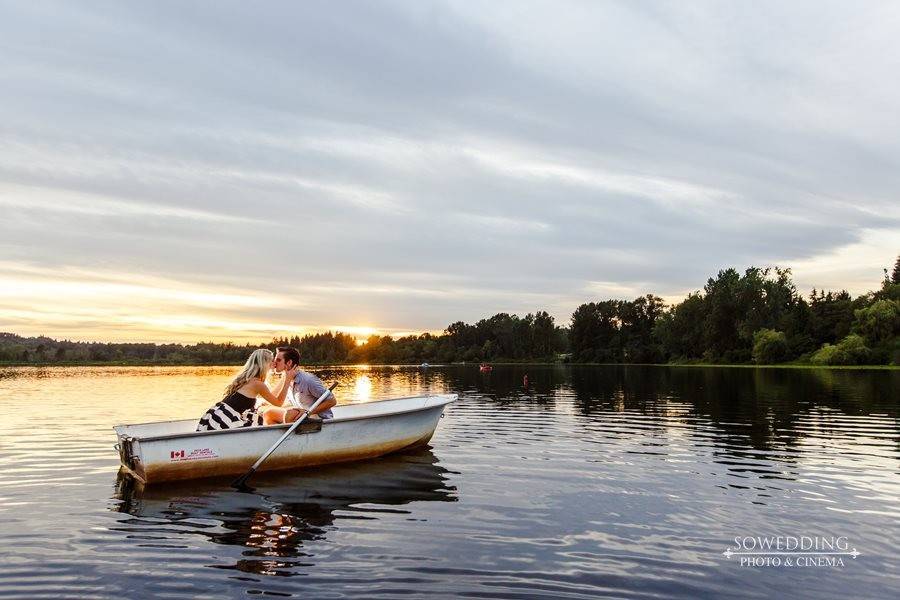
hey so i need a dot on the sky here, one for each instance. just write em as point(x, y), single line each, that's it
point(183, 171)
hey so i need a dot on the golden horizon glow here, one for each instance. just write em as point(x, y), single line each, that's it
point(108, 306)
point(103, 305)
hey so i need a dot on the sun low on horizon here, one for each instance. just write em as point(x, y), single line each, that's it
point(103, 306)
point(109, 306)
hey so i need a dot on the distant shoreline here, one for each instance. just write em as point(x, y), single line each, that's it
point(492, 363)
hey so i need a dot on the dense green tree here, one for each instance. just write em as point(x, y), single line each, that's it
point(831, 316)
point(769, 347)
point(637, 321)
point(878, 322)
point(594, 333)
point(542, 336)
point(723, 310)
point(679, 330)
point(851, 350)
point(888, 291)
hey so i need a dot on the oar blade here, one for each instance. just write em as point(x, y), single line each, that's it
point(240, 484)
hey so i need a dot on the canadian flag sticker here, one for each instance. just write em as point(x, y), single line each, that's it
point(195, 454)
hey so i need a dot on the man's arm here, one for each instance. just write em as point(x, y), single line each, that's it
point(325, 405)
point(317, 388)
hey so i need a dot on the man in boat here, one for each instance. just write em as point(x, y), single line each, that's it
point(306, 387)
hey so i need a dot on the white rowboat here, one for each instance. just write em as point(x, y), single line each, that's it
point(173, 450)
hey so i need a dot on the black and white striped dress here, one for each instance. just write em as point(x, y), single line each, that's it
point(234, 411)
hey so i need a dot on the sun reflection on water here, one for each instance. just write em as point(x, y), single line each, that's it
point(362, 389)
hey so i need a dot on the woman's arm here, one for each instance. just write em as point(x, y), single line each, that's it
point(278, 397)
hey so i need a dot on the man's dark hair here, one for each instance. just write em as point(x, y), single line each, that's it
point(290, 354)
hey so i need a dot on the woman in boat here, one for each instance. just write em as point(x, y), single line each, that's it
point(236, 409)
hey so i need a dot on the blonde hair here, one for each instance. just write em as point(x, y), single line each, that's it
point(254, 368)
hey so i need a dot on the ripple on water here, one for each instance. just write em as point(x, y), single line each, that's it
point(594, 481)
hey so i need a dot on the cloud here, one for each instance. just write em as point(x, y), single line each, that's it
point(34, 199)
point(403, 165)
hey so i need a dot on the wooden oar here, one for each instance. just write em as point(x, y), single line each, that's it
point(240, 482)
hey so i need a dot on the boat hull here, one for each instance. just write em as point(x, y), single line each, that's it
point(358, 435)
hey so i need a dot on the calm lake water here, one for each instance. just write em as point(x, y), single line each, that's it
point(592, 481)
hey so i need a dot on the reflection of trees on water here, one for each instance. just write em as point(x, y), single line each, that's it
point(775, 409)
point(288, 509)
point(746, 415)
point(756, 423)
point(763, 407)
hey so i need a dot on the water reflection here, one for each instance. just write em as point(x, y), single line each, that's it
point(590, 481)
point(286, 511)
point(362, 389)
point(766, 408)
point(758, 424)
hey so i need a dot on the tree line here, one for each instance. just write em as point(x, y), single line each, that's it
point(501, 337)
point(757, 316)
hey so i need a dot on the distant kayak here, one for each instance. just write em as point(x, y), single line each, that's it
point(484, 368)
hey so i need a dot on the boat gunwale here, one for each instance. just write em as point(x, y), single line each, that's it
point(449, 399)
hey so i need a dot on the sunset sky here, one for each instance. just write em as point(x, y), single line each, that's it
point(182, 171)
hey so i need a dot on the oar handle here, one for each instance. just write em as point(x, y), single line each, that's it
point(240, 481)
